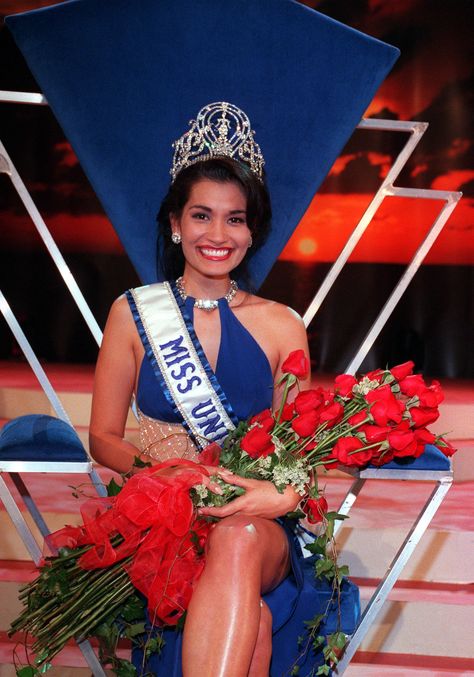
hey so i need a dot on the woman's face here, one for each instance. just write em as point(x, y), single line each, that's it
point(213, 228)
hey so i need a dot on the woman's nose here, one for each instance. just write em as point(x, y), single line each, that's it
point(217, 230)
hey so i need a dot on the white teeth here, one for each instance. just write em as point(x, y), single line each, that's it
point(215, 252)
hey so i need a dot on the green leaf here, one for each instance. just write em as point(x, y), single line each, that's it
point(27, 671)
point(318, 643)
point(323, 670)
point(342, 572)
point(154, 645)
point(138, 463)
point(296, 515)
point(113, 489)
point(134, 630)
point(337, 639)
point(295, 671)
point(124, 668)
point(315, 622)
point(324, 567)
point(336, 516)
point(133, 609)
point(316, 548)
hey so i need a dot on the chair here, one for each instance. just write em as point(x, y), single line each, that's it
point(39, 443)
point(431, 466)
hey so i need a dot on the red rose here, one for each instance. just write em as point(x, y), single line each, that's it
point(432, 396)
point(305, 424)
point(412, 385)
point(374, 433)
point(328, 461)
point(307, 400)
point(358, 418)
point(445, 446)
point(264, 420)
point(296, 363)
point(403, 442)
point(422, 417)
point(257, 442)
point(210, 455)
point(258, 418)
point(288, 412)
point(308, 446)
point(401, 371)
point(346, 450)
point(423, 437)
point(385, 406)
point(344, 384)
point(375, 375)
point(331, 414)
point(382, 456)
point(315, 509)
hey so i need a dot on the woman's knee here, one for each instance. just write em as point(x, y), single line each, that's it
point(234, 534)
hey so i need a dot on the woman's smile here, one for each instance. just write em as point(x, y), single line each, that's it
point(213, 254)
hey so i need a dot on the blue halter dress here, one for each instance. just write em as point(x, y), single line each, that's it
point(245, 376)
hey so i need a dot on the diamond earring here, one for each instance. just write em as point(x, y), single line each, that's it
point(250, 242)
point(176, 238)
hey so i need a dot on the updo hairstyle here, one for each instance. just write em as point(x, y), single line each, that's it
point(170, 257)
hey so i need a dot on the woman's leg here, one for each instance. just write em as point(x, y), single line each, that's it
point(245, 556)
point(261, 657)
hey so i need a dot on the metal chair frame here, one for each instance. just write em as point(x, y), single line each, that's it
point(443, 480)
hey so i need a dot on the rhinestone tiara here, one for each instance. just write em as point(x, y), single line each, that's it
point(220, 129)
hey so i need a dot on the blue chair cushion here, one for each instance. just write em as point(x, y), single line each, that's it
point(37, 437)
point(431, 459)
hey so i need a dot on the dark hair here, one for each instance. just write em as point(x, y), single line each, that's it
point(170, 259)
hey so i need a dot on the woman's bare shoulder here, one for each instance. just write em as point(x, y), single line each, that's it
point(273, 309)
point(120, 317)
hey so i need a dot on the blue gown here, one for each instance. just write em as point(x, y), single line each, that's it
point(245, 376)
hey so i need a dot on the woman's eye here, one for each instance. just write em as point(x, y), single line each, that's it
point(200, 216)
point(237, 219)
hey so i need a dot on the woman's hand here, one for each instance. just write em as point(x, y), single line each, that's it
point(261, 498)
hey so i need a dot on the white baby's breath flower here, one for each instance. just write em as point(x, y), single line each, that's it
point(297, 475)
point(202, 492)
point(364, 386)
point(264, 461)
point(279, 446)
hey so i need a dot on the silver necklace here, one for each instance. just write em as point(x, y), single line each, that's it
point(207, 304)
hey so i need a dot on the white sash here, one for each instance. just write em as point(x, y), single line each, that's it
point(185, 382)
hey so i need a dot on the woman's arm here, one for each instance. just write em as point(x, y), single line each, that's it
point(113, 387)
point(291, 335)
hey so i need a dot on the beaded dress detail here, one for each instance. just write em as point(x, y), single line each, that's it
point(162, 441)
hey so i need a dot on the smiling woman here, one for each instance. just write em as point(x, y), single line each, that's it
point(200, 354)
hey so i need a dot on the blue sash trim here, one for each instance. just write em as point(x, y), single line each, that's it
point(202, 357)
point(151, 356)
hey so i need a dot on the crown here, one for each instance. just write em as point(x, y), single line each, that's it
point(220, 129)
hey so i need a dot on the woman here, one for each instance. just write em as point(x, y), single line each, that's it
point(217, 208)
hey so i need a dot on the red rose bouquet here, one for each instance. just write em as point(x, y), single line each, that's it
point(149, 537)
